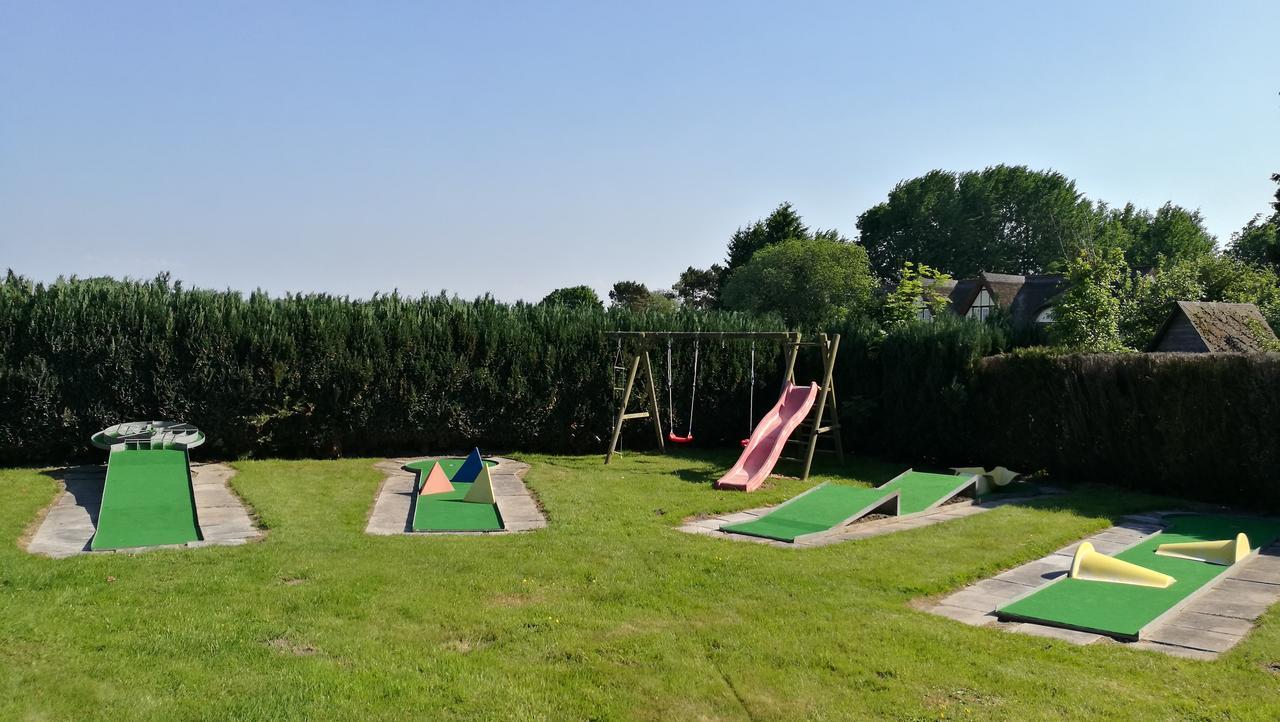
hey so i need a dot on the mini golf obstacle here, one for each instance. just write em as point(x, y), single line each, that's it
point(1124, 595)
point(148, 498)
point(455, 495)
point(827, 507)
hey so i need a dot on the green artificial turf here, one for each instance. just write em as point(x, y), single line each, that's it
point(921, 490)
point(816, 511)
point(609, 613)
point(1124, 609)
point(147, 500)
point(448, 511)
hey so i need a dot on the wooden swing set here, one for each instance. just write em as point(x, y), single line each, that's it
point(638, 363)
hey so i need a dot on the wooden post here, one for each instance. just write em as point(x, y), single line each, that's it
point(622, 408)
point(793, 350)
point(826, 397)
point(653, 413)
point(653, 401)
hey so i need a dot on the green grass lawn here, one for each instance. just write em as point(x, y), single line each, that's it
point(608, 614)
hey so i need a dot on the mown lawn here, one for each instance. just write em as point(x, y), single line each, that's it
point(608, 614)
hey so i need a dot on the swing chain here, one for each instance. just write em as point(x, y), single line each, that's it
point(751, 398)
point(693, 394)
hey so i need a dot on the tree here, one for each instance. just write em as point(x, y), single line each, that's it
point(1259, 241)
point(1172, 233)
point(1008, 219)
point(1087, 318)
point(635, 296)
point(631, 295)
point(699, 288)
point(781, 225)
point(809, 282)
point(573, 297)
point(1149, 298)
point(917, 291)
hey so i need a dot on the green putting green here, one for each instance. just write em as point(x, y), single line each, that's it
point(821, 508)
point(1122, 610)
point(448, 512)
point(147, 500)
point(921, 491)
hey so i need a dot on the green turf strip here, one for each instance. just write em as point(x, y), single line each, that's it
point(147, 500)
point(1124, 609)
point(921, 491)
point(815, 511)
point(448, 512)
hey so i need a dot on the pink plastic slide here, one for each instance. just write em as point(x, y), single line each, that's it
point(770, 436)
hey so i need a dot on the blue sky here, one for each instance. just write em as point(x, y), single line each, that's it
point(519, 147)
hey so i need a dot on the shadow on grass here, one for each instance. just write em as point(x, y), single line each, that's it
point(711, 464)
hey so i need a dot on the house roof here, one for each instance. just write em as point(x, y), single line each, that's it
point(1224, 327)
point(1022, 296)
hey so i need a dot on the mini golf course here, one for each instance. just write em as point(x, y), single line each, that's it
point(450, 511)
point(830, 506)
point(1123, 611)
point(148, 498)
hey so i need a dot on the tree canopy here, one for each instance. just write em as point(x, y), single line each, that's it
point(1259, 241)
point(699, 288)
point(807, 281)
point(780, 225)
point(573, 297)
point(1008, 219)
point(635, 296)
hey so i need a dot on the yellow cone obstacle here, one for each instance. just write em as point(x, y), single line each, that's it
point(998, 476)
point(1225, 552)
point(1090, 565)
point(1001, 476)
point(482, 490)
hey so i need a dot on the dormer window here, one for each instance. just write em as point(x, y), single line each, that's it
point(982, 306)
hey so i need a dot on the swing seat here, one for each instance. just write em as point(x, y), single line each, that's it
point(671, 436)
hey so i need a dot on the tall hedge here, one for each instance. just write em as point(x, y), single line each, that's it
point(318, 375)
point(1199, 426)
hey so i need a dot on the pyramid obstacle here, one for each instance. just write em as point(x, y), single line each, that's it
point(481, 491)
point(1091, 565)
point(1225, 552)
point(470, 469)
point(436, 482)
point(455, 495)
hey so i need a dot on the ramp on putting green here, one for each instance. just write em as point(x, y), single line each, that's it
point(818, 510)
point(448, 511)
point(922, 491)
point(147, 500)
point(1124, 610)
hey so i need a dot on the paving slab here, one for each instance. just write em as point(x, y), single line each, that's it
point(1202, 639)
point(70, 522)
point(392, 509)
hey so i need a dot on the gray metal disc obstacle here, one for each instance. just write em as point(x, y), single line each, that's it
point(149, 435)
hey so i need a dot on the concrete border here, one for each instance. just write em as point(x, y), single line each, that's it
point(710, 526)
point(392, 508)
point(69, 523)
point(1218, 617)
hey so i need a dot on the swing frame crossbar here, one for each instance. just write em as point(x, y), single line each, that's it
point(640, 366)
